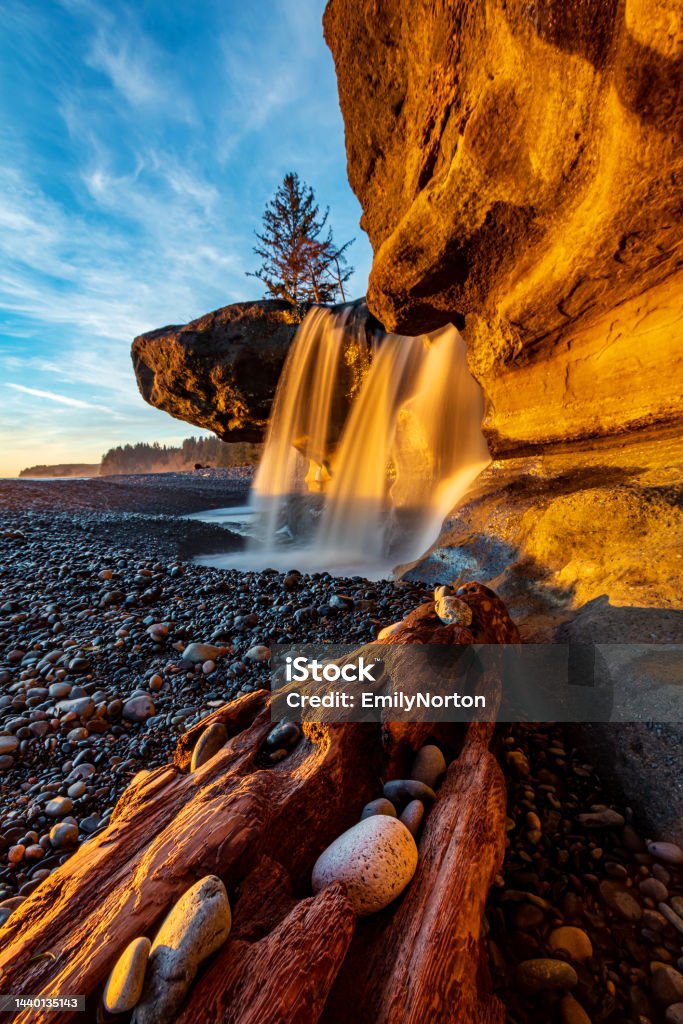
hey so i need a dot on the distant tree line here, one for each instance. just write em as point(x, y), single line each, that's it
point(157, 458)
point(63, 469)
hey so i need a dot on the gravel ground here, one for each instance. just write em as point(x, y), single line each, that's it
point(586, 918)
point(97, 604)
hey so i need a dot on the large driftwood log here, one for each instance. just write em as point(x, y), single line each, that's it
point(260, 827)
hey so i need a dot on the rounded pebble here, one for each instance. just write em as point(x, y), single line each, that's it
point(59, 807)
point(124, 986)
point(573, 940)
point(412, 816)
point(668, 852)
point(375, 859)
point(667, 985)
point(572, 1012)
point(209, 743)
point(379, 806)
point(404, 790)
point(63, 835)
point(138, 709)
point(429, 766)
point(196, 926)
point(545, 975)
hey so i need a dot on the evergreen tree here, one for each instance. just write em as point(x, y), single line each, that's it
point(301, 263)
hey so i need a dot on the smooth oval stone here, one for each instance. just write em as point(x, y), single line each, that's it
point(429, 765)
point(59, 807)
point(573, 940)
point(209, 743)
point(412, 816)
point(138, 709)
point(404, 790)
point(8, 744)
point(601, 819)
point(379, 806)
point(668, 852)
point(544, 975)
point(667, 986)
point(58, 690)
point(572, 1012)
point(528, 916)
point(81, 706)
point(657, 891)
point(124, 987)
point(202, 652)
point(197, 925)
point(674, 1014)
point(63, 835)
point(619, 899)
point(284, 736)
point(376, 859)
point(672, 917)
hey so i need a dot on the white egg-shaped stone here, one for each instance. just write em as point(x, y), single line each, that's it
point(376, 859)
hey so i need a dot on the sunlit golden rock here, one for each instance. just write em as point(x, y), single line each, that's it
point(519, 168)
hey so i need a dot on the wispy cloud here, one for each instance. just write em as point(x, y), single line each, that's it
point(75, 403)
point(126, 71)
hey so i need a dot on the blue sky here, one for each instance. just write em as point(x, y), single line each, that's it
point(139, 144)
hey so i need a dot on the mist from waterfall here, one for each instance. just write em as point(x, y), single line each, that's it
point(373, 438)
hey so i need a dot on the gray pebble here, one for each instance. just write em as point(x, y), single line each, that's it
point(58, 807)
point(429, 766)
point(412, 816)
point(403, 790)
point(138, 709)
point(379, 806)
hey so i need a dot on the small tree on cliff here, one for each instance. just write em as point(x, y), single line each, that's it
point(301, 264)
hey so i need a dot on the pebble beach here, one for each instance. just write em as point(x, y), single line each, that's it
point(99, 599)
point(113, 643)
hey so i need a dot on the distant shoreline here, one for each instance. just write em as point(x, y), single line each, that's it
point(134, 509)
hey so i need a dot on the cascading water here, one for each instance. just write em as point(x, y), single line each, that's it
point(373, 438)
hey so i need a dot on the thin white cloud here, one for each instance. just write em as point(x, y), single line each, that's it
point(125, 70)
point(52, 396)
point(137, 68)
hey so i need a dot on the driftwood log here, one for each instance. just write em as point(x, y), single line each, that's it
point(291, 956)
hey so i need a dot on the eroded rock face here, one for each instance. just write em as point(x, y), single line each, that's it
point(519, 167)
point(219, 372)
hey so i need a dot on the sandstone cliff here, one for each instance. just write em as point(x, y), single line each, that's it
point(519, 167)
point(219, 372)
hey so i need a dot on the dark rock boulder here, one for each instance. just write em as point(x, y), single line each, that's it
point(519, 166)
point(218, 372)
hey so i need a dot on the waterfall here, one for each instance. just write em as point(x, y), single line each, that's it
point(373, 438)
